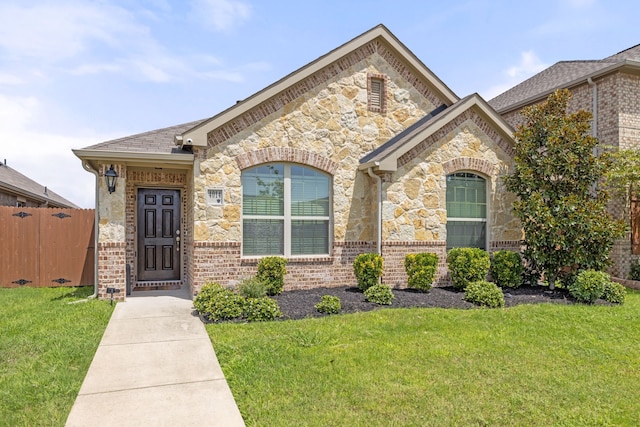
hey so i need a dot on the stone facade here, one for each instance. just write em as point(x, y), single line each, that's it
point(330, 127)
point(328, 119)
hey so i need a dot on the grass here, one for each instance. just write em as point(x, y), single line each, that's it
point(46, 347)
point(530, 365)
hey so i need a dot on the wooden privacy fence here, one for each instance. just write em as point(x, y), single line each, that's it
point(46, 247)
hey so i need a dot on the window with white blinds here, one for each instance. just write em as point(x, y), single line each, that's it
point(466, 211)
point(286, 210)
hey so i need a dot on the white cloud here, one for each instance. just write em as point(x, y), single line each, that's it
point(221, 15)
point(54, 32)
point(529, 65)
point(45, 158)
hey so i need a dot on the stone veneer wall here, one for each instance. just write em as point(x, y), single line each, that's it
point(323, 122)
point(415, 206)
point(111, 250)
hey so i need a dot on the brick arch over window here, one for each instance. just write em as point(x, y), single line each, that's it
point(286, 154)
point(468, 163)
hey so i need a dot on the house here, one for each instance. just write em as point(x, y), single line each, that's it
point(609, 88)
point(364, 149)
point(21, 191)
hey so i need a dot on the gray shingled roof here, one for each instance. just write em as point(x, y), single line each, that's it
point(15, 182)
point(557, 76)
point(155, 141)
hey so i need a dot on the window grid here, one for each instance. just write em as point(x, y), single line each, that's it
point(303, 211)
point(466, 211)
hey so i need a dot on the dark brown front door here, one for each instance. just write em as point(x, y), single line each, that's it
point(158, 234)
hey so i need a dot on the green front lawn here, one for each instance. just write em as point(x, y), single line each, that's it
point(46, 347)
point(530, 365)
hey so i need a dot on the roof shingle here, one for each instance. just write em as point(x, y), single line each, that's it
point(558, 76)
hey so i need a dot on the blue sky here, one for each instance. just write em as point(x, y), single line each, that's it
point(74, 73)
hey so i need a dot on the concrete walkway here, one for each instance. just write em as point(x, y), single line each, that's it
point(155, 366)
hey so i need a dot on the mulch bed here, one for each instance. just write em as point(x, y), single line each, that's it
point(300, 304)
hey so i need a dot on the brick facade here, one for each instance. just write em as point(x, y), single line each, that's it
point(112, 270)
point(618, 125)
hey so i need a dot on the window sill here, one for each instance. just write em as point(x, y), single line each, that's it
point(318, 259)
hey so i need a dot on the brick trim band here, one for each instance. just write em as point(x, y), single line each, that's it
point(286, 154)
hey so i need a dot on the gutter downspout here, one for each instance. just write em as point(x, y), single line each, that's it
point(88, 168)
point(379, 219)
point(594, 126)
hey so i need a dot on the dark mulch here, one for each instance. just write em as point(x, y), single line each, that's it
point(300, 304)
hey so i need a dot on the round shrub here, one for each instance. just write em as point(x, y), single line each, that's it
point(507, 269)
point(485, 294)
point(614, 292)
point(467, 265)
point(329, 304)
point(421, 270)
point(252, 288)
point(379, 294)
point(368, 269)
point(217, 303)
point(271, 271)
point(261, 309)
point(589, 286)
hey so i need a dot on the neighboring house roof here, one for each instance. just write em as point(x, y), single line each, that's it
point(198, 134)
point(564, 74)
point(385, 157)
point(13, 182)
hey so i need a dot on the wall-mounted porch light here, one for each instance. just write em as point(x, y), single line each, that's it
point(111, 176)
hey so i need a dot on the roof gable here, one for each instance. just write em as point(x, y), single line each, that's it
point(391, 154)
point(275, 96)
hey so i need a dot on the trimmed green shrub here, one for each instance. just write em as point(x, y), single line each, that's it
point(507, 269)
point(368, 269)
point(614, 292)
point(271, 271)
point(329, 304)
point(217, 303)
point(589, 286)
point(634, 273)
point(485, 294)
point(467, 265)
point(421, 270)
point(261, 309)
point(252, 288)
point(379, 294)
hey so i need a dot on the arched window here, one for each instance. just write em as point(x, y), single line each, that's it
point(286, 210)
point(466, 211)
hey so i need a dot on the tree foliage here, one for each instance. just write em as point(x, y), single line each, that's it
point(562, 209)
point(623, 175)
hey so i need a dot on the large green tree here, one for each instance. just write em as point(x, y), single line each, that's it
point(562, 209)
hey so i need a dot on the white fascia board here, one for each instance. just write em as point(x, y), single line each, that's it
point(135, 158)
